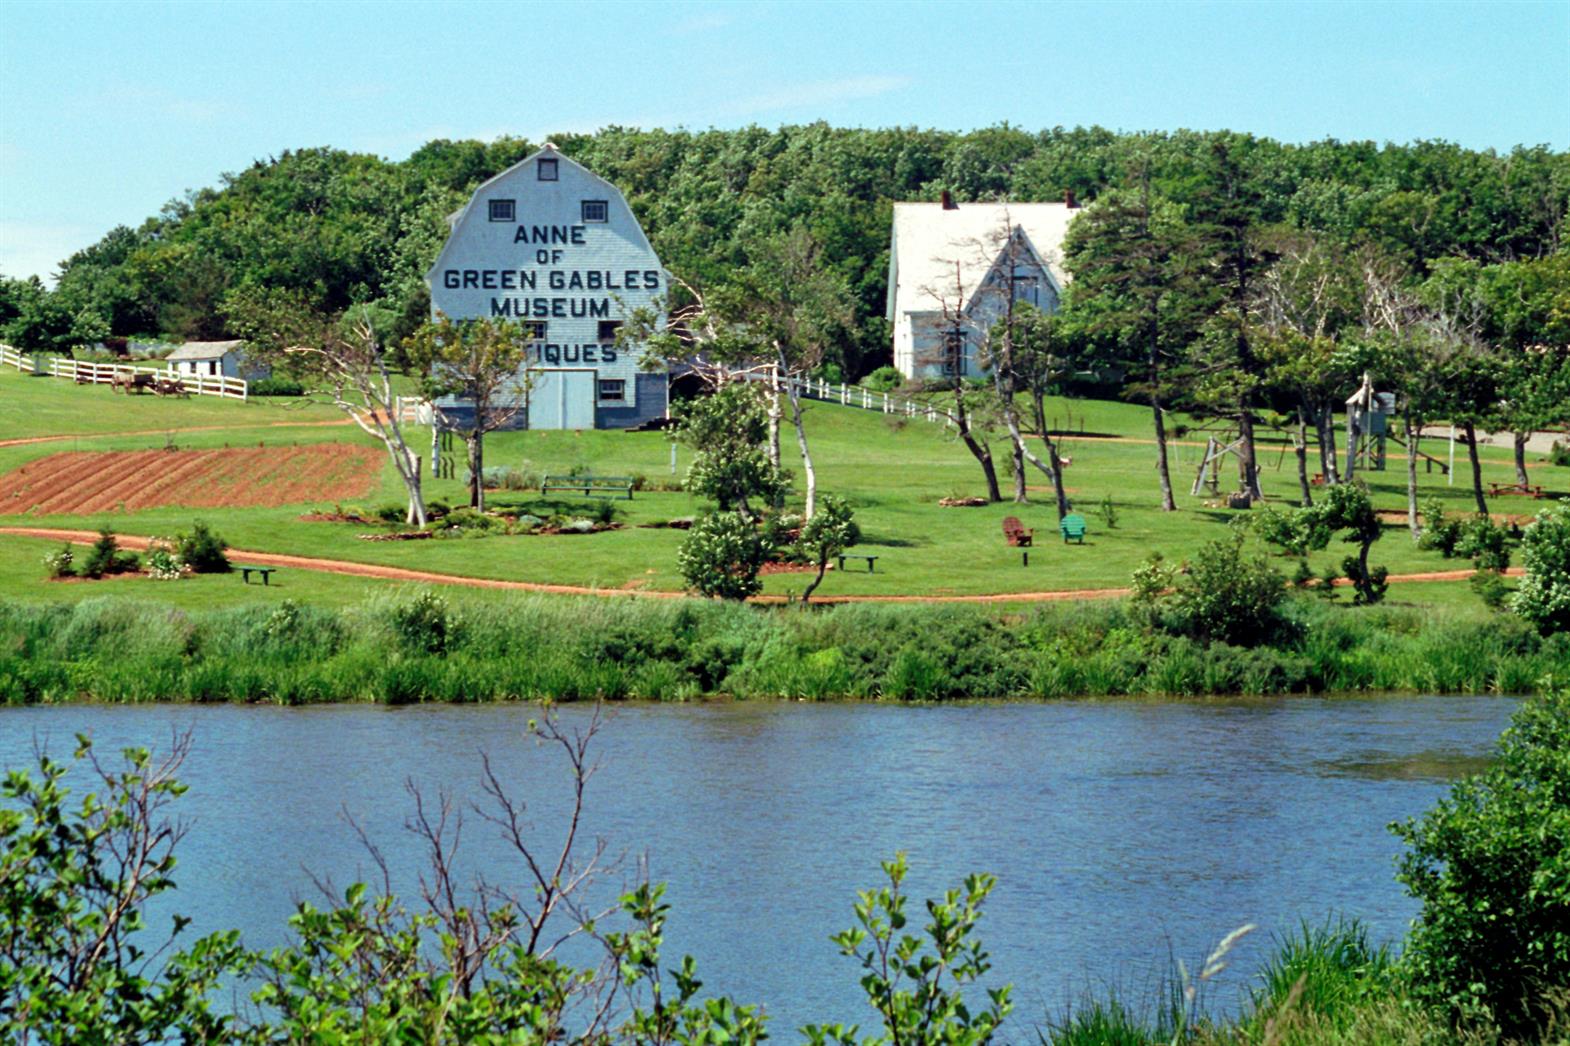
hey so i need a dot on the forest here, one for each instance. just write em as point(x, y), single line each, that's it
point(1219, 273)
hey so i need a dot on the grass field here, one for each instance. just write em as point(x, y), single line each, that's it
point(893, 473)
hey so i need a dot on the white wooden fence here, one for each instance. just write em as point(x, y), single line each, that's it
point(84, 373)
point(413, 410)
point(11, 358)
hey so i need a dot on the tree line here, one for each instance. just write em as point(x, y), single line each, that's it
point(1226, 274)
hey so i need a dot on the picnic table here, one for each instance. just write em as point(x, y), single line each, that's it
point(246, 572)
point(1501, 489)
point(621, 485)
point(871, 560)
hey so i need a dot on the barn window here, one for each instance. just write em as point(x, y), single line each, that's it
point(534, 330)
point(954, 352)
point(596, 211)
point(1027, 288)
point(613, 389)
point(547, 170)
point(503, 210)
point(212, 366)
point(608, 329)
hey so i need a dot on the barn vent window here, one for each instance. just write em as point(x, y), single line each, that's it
point(608, 329)
point(503, 210)
point(596, 210)
point(547, 170)
point(613, 389)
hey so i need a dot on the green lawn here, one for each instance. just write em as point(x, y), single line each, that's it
point(893, 473)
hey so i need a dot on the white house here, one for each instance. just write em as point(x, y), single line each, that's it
point(951, 269)
point(210, 359)
point(551, 244)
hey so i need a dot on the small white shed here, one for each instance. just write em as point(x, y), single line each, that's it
point(210, 359)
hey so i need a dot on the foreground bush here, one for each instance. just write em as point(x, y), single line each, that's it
point(1543, 597)
point(411, 647)
point(1491, 866)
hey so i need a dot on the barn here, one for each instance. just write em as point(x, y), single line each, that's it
point(952, 266)
point(212, 358)
point(552, 245)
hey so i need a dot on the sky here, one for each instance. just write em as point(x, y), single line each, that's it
point(109, 110)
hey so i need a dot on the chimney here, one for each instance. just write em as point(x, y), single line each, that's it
point(1068, 199)
point(948, 201)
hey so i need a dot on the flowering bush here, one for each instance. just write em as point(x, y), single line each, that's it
point(162, 564)
point(60, 563)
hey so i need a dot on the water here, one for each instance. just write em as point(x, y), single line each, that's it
point(1120, 832)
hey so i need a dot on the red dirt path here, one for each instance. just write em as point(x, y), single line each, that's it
point(79, 482)
point(340, 566)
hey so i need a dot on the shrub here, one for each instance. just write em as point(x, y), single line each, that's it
point(721, 556)
point(1440, 533)
point(1485, 543)
point(203, 550)
point(1348, 507)
point(106, 557)
point(276, 386)
point(505, 477)
point(60, 562)
point(1543, 597)
point(1228, 596)
point(1559, 454)
point(163, 564)
point(604, 512)
point(436, 509)
point(425, 624)
point(884, 379)
point(1109, 512)
point(1490, 588)
point(1489, 865)
point(830, 531)
point(1295, 533)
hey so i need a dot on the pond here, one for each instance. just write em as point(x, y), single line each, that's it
point(1121, 833)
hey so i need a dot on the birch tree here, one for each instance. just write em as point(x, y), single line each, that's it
point(340, 356)
point(483, 363)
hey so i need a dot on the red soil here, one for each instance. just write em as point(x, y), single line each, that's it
point(81, 482)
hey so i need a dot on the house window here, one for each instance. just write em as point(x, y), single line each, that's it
point(608, 329)
point(1027, 288)
point(954, 352)
point(503, 210)
point(212, 366)
point(596, 210)
point(546, 169)
point(534, 330)
point(613, 389)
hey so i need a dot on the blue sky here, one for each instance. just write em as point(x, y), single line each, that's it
point(109, 110)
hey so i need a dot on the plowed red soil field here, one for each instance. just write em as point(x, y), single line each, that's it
point(77, 482)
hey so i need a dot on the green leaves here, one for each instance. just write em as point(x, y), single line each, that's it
point(1489, 865)
point(914, 981)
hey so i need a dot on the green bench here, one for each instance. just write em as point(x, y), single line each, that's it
point(246, 572)
point(595, 485)
point(1072, 527)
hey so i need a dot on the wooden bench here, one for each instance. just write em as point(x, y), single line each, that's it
point(871, 560)
point(596, 485)
point(1072, 527)
point(1318, 480)
point(246, 572)
point(1015, 533)
point(1501, 489)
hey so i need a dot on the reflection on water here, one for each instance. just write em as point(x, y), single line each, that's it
point(1121, 832)
point(1439, 765)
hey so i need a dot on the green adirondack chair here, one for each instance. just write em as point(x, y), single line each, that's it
point(1072, 527)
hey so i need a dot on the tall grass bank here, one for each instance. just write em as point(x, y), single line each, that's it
point(419, 647)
